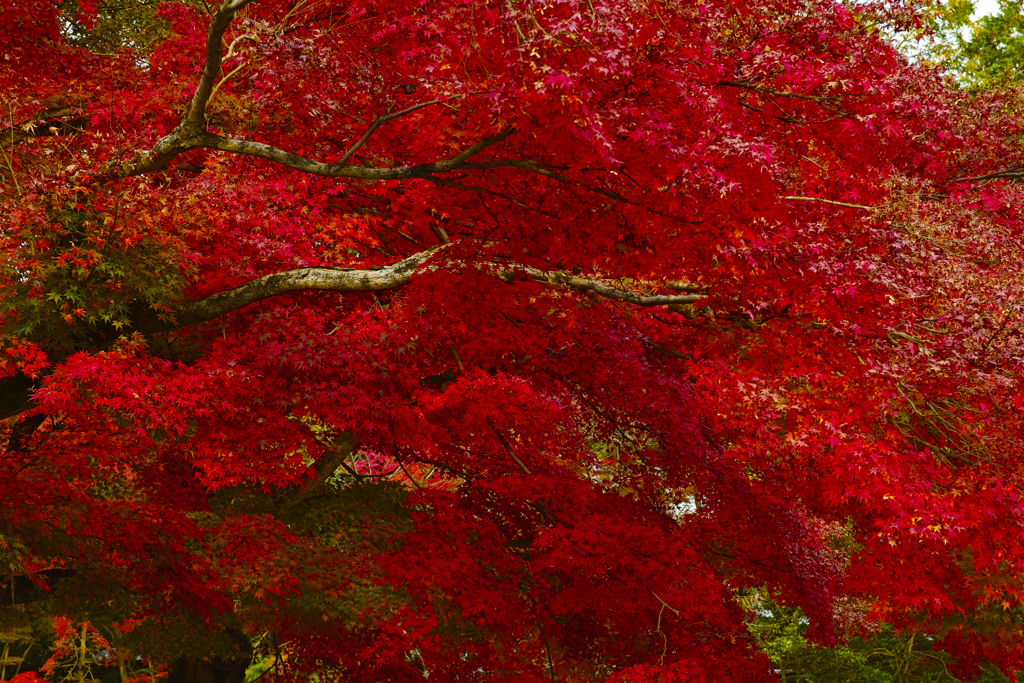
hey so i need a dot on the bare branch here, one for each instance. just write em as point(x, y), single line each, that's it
point(52, 121)
point(508, 449)
point(820, 100)
point(684, 286)
point(393, 276)
point(377, 124)
point(1005, 174)
point(484, 190)
point(192, 134)
point(545, 170)
point(341, 448)
point(481, 146)
point(830, 202)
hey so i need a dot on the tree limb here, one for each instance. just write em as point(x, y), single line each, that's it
point(192, 134)
point(196, 114)
point(185, 138)
point(16, 391)
point(579, 284)
point(387, 277)
point(1006, 173)
point(340, 450)
point(515, 202)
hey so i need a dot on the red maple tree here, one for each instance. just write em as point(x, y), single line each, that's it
point(505, 340)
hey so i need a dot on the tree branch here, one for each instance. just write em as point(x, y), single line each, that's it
point(392, 276)
point(377, 124)
point(820, 100)
point(831, 203)
point(192, 134)
point(340, 450)
point(196, 114)
point(1006, 173)
point(387, 277)
point(16, 391)
point(579, 284)
point(183, 139)
point(483, 190)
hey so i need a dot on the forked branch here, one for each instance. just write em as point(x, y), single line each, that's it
point(378, 123)
point(192, 133)
point(194, 117)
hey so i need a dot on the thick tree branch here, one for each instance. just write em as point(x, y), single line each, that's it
point(557, 278)
point(388, 277)
point(192, 134)
point(239, 499)
point(340, 451)
point(16, 391)
point(196, 114)
point(185, 138)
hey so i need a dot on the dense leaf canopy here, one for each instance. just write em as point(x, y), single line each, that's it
point(482, 340)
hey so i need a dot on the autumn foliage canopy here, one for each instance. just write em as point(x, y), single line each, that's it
point(505, 340)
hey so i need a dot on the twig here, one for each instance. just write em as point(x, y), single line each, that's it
point(664, 604)
point(483, 190)
point(833, 203)
point(458, 360)
point(508, 449)
point(547, 648)
point(1002, 327)
point(378, 123)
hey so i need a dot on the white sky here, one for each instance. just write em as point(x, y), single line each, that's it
point(983, 7)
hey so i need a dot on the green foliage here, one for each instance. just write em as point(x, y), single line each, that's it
point(981, 53)
point(994, 50)
point(881, 657)
point(117, 24)
point(86, 277)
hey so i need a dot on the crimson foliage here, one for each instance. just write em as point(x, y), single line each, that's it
point(482, 340)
